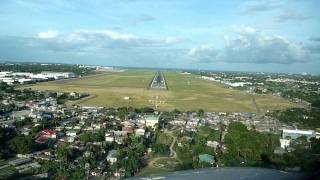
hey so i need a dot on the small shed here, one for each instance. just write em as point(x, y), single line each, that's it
point(206, 158)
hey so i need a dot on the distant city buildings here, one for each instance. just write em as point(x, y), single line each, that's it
point(25, 77)
point(103, 137)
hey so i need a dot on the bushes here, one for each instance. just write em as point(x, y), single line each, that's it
point(161, 149)
point(247, 146)
point(92, 137)
point(305, 118)
point(21, 144)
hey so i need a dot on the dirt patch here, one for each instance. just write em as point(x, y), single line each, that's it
point(229, 99)
point(189, 99)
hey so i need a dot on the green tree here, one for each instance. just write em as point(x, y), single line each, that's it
point(6, 134)
point(200, 112)
point(63, 152)
point(21, 144)
point(161, 149)
point(247, 146)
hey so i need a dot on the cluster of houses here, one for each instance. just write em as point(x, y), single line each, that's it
point(23, 164)
point(289, 80)
point(226, 81)
point(75, 122)
point(136, 127)
point(42, 107)
point(26, 77)
point(261, 123)
point(268, 84)
point(288, 135)
point(37, 110)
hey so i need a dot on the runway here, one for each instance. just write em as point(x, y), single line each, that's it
point(158, 82)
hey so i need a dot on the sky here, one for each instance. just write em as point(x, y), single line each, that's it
point(233, 35)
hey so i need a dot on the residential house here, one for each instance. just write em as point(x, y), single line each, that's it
point(140, 132)
point(72, 133)
point(109, 137)
point(284, 143)
point(151, 120)
point(207, 158)
point(128, 129)
point(46, 135)
point(294, 134)
point(112, 156)
point(213, 144)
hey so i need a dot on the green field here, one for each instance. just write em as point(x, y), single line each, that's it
point(186, 92)
point(164, 138)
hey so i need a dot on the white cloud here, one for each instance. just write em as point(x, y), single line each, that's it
point(243, 29)
point(315, 38)
point(290, 16)
point(249, 45)
point(172, 40)
point(314, 48)
point(104, 34)
point(257, 47)
point(204, 53)
point(48, 34)
point(99, 40)
point(253, 7)
point(142, 19)
point(245, 45)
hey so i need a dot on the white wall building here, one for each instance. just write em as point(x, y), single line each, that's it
point(72, 133)
point(112, 156)
point(109, 137)
point(284, 143)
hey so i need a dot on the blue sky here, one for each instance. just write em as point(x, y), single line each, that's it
point(271, 35)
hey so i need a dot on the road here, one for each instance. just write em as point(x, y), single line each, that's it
point(255, 104)
point(71, 103)
point(173, 153)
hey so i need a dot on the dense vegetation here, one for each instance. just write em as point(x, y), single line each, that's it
point(304, 155)
point(312, 97)
point(194, 144)
point(303, 118)
point(6, 134)
point(251, 148)
point(161, 149)
point(21, 144)
point(92, 137)
point(247, 147)
point(129, 158)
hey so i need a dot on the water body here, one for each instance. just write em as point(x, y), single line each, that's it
point(227, 173)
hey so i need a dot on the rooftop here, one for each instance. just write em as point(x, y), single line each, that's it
point(309, 132)
point(152, 117)
point(206, 158)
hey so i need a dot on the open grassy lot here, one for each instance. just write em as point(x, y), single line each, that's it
point(164, 139)
point(186, 92)
point(160, 166)
point(149, 171)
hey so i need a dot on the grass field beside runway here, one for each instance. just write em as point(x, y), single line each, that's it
point(186, 92)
